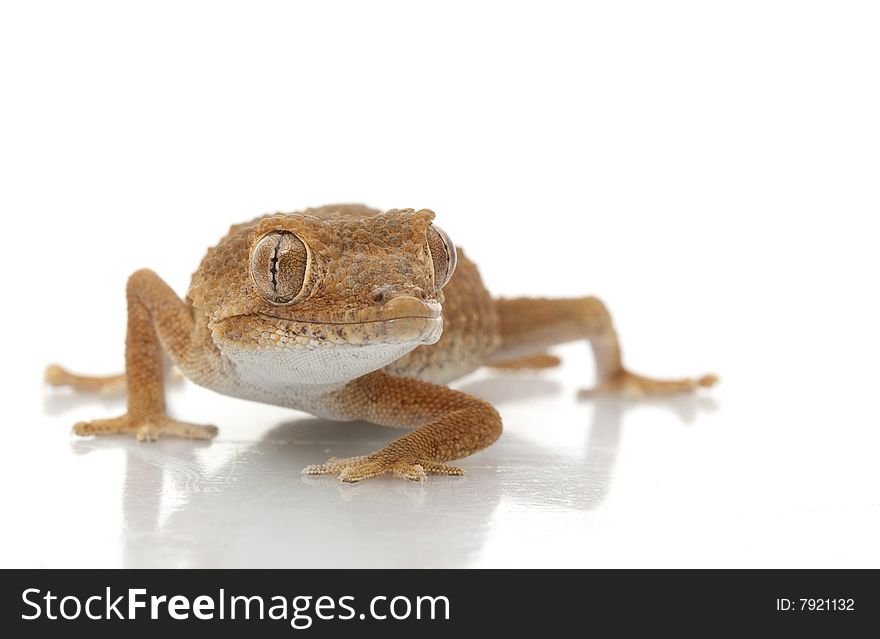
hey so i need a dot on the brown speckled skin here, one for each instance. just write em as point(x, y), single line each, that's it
point(359, 342)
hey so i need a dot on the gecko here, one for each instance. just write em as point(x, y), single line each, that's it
point(348, 313)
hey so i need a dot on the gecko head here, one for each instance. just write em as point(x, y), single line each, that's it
point(362, 288)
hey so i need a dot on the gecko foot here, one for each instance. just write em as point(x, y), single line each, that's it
point(55, 375)
point(631, 385)
point(108, 385)
point(353, 469)
point(145, 430)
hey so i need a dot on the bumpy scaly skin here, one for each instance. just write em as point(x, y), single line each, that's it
point(372, 336)
point(453, 425)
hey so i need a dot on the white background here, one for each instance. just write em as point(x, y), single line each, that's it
point(709, 169)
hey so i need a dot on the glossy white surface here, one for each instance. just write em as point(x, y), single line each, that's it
point(709, 170)
point(686, 482)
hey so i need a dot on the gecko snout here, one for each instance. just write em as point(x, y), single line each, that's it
point(408, 319)
point(408, 306)
point(383, 294)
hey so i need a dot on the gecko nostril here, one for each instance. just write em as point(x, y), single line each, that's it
point(420, 293)
point(380, 295)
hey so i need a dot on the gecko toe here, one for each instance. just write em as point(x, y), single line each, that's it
point(145, 430)
point(629, 385)
point(354, 469)
point(707, 381)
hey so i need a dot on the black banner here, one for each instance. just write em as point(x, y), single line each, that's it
point(394, 602)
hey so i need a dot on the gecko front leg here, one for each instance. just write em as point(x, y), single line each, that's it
point(450, 425)
point(157, 320)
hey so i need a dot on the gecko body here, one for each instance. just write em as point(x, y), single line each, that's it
point(348, 313)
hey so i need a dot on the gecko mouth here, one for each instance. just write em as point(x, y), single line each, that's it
point(396, 330)
point(398, 308)
point(402, 320)
point(351, 323)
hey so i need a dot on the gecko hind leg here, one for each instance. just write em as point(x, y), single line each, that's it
point(105, 385)
point(109, 385)
point(530, 325)
point(530, 362)
point(627, 384)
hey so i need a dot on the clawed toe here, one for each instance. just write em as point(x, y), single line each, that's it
point(631, 385)
point(355, 469)
point(707, 381)
point(145, 430)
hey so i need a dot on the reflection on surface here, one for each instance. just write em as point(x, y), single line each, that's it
point(244, 503)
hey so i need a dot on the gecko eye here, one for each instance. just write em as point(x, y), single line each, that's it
point(443, 256)
point(279, 265)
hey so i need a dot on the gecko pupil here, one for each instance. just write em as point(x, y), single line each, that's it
point(273, 269)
